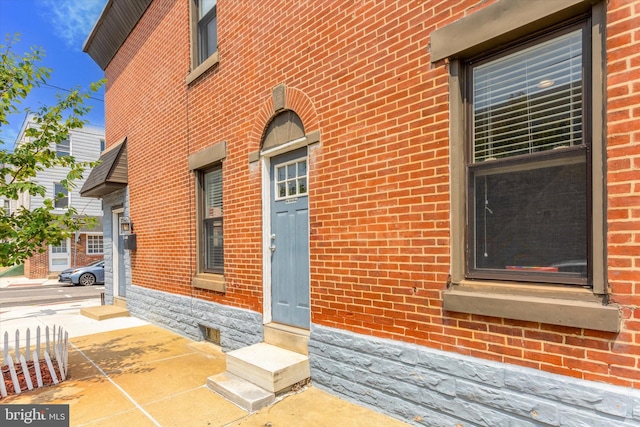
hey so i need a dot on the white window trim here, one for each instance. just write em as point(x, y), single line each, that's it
point(88, 235)
point(306, 176)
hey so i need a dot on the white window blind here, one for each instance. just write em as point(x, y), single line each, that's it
point(213, 194)
point(529, 101)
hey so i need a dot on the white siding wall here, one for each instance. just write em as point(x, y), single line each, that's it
point(85, 146)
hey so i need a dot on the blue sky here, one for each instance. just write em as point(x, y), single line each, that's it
point(59, 28)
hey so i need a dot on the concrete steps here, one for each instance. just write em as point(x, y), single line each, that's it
point(103, 312)
point(257, 373)
point(269, 367)
point(243, 393)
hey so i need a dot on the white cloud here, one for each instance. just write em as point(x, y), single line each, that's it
point(73, 20)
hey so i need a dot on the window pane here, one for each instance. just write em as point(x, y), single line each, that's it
point(205, 6)
point(63, 148)
point(60, 202)
point(214, 246)
point(291, 171)
point(529, 101)
point(534, 218)
point(291, 179)
point(207, 29)
point(213, 194)
point(60, 249)
point(212, 242)
point(302, 186)
point(212, 36)
point(95, 244)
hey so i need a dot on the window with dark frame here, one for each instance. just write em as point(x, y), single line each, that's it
point(212, 246)
point(61, 196)
point(528, 161)
point(207, 29)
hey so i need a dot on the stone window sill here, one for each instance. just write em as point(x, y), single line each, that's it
point(212, 282)
point(200, 69)
point(564, 306)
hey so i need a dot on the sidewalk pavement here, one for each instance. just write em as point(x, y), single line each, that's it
point(15, 281)
point(127, 372)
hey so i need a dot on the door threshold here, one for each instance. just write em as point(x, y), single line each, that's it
point(288, 328)
point(288, 337)
point(120, 302)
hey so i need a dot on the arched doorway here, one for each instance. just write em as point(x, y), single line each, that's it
point(286, 221)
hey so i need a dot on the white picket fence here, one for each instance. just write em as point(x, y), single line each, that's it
point(54, 349)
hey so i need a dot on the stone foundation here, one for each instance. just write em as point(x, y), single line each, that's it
point(423, 386)
point(184, 315)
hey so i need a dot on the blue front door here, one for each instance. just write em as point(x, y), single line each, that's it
point(290, 239)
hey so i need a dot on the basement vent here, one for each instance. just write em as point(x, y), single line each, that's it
point(211, 335)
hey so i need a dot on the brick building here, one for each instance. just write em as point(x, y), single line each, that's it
point(438, 198)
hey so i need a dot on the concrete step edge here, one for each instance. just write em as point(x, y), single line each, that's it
point(268, 366)
point(240, 392)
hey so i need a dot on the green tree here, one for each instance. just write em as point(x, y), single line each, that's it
point(26, 232)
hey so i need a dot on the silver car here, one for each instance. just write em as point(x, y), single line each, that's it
point(86, 276)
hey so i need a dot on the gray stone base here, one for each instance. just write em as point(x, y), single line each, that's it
point(184, 315)
point(428, 387)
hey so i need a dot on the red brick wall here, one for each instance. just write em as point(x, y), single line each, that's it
point(379, 181)
point(37, 267)
point(623, 186)
point(79, 256)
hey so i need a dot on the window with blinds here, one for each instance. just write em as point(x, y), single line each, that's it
point(213, 244)
point(527, 167)
point(530, 100)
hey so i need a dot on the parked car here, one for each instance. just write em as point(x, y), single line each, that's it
point(86, 276)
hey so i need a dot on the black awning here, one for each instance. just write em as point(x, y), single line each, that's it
point(110, 175)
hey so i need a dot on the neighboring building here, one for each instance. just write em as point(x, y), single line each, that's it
point(439, 196)
point(86, 246)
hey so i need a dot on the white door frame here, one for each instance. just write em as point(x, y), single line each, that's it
point(51, 256)
point(265, 161)
point(115, 234)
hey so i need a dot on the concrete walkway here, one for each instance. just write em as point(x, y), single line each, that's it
point(17, 281)
point(127, 372)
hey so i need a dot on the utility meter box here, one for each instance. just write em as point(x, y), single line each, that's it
point(129, 241)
